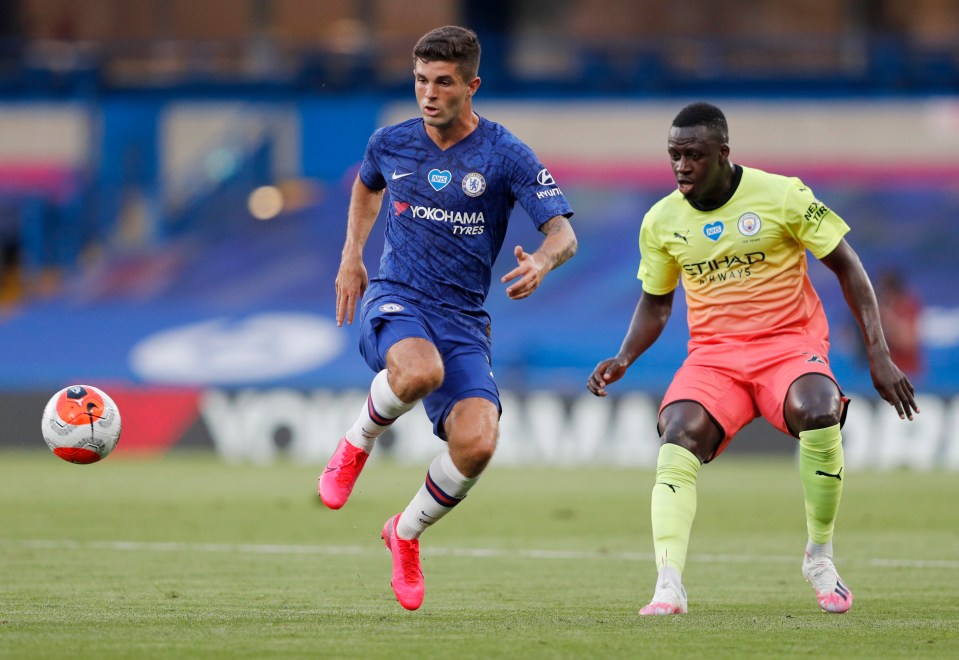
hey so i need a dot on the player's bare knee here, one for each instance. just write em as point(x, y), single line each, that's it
point(484, 448)
point(472, 455)
point(808, 420)
point(427, 381)
point(413, 382)
point(688, 442)
point(472, 437)
point(415, 368)
point(816, 407)
point(695, 433)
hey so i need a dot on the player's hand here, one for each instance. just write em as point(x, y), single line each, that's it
point(351, 283)
point(894, 387)
point(606, 372)
point(529, 271)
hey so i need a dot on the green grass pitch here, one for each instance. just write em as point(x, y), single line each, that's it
point(190, 557)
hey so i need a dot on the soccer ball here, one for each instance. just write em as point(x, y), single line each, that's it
point(81, 424)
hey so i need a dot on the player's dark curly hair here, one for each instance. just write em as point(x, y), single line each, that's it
point(450, 43)
point(704, 114)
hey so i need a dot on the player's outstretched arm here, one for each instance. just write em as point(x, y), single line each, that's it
point(352, 278)
point(893, 385)
point(649, 319)
point(557, 248)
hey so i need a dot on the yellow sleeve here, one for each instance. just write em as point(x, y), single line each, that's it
point(814, 224)
point(657, 268)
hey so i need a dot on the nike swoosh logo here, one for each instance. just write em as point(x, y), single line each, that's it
point(400, 176)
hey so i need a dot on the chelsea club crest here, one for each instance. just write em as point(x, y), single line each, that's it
point(474, 184)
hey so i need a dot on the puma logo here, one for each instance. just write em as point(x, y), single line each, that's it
point(838, 475)
point(813, 357)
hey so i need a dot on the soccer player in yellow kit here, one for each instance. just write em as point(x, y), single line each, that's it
point(737, 238)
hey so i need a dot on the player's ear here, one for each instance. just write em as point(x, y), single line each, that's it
point(474, 85)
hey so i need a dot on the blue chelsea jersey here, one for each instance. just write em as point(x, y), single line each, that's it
point(447, 211)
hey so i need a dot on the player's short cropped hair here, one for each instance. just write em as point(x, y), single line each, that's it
point(450, 43)
point(704, 114)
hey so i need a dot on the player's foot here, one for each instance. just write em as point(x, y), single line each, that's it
point(339, 477)
point(831, 592)
point(670, 595)
point(407, 582)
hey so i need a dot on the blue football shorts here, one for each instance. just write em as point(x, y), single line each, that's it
point(462, 343)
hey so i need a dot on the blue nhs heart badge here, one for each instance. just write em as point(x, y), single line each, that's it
point(714, 230)
point(439, 179)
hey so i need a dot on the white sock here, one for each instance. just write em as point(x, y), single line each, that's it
point(668, 574)
point(381, 409)
point(444, 488)
point(819, 549)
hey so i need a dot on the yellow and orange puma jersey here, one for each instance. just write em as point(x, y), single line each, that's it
point(743, 266)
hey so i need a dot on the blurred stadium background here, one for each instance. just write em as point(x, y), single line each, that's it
point(174, 178)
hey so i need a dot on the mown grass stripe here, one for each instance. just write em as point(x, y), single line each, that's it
point(473, 553)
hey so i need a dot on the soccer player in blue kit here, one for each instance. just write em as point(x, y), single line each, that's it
point(453, 178)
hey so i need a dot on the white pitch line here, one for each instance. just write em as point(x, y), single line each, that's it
point(475, 553)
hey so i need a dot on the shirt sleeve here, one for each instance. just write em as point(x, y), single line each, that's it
point(370, 173)
point(535, 188)
point(657, 269)
point(815, 225)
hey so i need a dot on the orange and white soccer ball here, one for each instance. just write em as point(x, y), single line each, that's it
point(81, 424)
